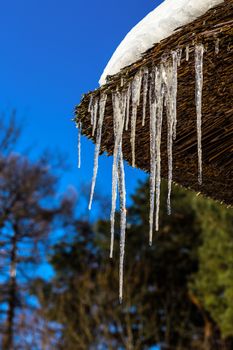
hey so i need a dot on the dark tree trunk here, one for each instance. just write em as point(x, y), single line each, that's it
point(9, 330)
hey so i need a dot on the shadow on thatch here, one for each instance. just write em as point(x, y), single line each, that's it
point(217, 129)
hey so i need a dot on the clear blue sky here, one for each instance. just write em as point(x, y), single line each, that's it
point(53, 51)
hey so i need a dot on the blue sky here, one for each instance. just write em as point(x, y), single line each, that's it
point(51, 53)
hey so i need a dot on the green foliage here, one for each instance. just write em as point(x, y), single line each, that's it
point(176, 293)
point(213, 282)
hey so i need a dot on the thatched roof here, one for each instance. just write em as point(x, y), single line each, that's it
point(217, 129)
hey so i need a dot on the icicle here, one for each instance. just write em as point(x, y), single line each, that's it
point(199, 53)
point(171, 97)
point(119, 108)
point(217, 46)
point(90, 103)
point(128, 96)
point(94, 112)
point(187, 53)
point(179, 56)
point(152, 104)
point(122, 192)
point(79, 126)
point(159, 93)
point(170, 157)
point(174, 87)
point(136, 91)
point(145, 92)
point(170, 82)
point(102, 105)
point(165, 90)
point(122, 81)
point(116, 112)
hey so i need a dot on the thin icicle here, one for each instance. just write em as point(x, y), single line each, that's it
point(159, 92)
point(170, 165)
point(179, 56)
point(128, 96)
point(145, 93)
point(174, 84)
point(90, 103)
point(116, 117)
point(94, 113)
point(79, 126)
point(170, 158)
point(122, 193)
point(152, 104)
point(102, 105)
point(136, 91)
point(199, 53)
point(119, 109)
point(217, 42)
point(170, 97)
point(187, 53)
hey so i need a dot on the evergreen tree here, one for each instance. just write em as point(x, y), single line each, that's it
point(159, 305)
point(213, 283)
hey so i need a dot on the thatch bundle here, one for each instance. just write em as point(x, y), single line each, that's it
point(215, 31)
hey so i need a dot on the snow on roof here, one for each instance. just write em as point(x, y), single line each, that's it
point(156, 26)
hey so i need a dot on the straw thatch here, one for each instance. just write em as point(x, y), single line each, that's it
point(217, 128)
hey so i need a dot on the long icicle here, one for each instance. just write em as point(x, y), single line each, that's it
point(159, 92)
point(174, 74)
point(90, 105)
point(102, 105)
point(171, 97)
point(79, 126)
point(145, 93)
point(199, 53)
point(119, 108)
point(94, 113)
point(122, 192)
point(136, 91)
point(152, 104)
point(128, 96)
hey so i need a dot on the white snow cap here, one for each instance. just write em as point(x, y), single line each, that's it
point(156, 26)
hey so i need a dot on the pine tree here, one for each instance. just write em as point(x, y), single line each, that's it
point(213, 283)
point(159, 305)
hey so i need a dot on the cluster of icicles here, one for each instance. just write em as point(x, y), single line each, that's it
point(157, 87)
